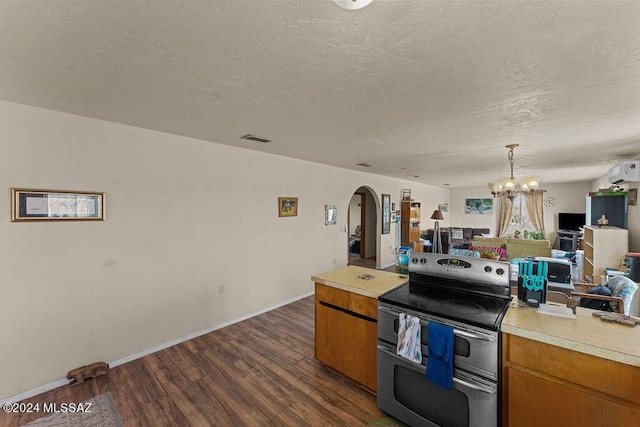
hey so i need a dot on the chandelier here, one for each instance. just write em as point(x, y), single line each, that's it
point(509, 187)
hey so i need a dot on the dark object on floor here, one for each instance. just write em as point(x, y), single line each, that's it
point(96, 369)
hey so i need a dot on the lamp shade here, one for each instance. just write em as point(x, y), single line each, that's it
point(437, 214)
point(509, 184)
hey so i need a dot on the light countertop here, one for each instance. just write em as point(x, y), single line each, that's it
point(586, 334)
point(347, 278)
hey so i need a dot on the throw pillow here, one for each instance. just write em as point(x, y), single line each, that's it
point(456, 233)
point(624, 287)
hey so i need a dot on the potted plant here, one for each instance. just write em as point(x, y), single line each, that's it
point(534, 235)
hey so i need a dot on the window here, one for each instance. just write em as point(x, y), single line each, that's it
point(520, 217)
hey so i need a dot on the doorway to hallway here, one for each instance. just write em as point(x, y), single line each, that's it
point(362, 230)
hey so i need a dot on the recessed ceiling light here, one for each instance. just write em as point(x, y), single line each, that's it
point(446, 184)
point(352, 4)
point(257, 138)
point(416, 176)
point(364, 165)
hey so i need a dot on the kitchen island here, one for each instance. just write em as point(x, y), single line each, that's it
point(346, 313)
point(564, 372)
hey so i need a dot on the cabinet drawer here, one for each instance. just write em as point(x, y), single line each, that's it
point(333, 296)
point(568, 366)
point(360, 304)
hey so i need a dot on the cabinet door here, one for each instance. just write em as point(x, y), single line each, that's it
point(346, 333)
point(546, 385)
point(536, 401)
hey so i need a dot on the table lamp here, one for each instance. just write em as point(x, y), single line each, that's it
point(437, 240)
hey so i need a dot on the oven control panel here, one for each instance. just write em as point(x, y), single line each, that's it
point(453, 263)
point(478, 270)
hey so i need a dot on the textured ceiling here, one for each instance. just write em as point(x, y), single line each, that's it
point(429, 91)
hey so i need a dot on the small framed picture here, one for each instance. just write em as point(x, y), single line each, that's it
point(330, 214)
point(443, 207)
point(386, 213)
point(632, 196)
point(56, 205)
point(287, 206)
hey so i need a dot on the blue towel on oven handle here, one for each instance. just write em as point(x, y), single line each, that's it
point(440, 355)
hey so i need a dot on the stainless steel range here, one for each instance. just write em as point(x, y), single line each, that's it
point(472, 296)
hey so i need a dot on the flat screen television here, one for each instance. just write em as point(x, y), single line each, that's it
point(571, 221)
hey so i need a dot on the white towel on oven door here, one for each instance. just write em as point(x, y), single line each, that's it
point(409, 338)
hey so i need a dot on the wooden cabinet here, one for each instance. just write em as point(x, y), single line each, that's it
point(603, 247)
point(545, 385)
point(346, 333)
point(410, 225)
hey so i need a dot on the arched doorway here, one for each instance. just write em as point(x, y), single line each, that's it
point(363, 228)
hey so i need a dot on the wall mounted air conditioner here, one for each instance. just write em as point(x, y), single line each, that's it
point(625, 172)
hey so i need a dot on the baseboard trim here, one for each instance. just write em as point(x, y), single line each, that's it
point(388, 265)
point(64, 381)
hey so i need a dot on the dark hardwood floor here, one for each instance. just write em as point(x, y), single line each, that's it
point(367, 262)
point(261, 371)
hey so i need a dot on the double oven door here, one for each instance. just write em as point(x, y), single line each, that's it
point(405, 393)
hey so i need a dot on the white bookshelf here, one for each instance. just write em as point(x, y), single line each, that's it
point(603, 247)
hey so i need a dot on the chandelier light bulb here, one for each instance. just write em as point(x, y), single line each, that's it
point(510, 187)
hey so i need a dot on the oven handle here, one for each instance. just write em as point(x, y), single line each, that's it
point(463, 383)
point(458, 332)
point(473, 386)
point(473, 335)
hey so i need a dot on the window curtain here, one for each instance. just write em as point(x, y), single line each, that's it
point(505, 210)
point(535, 209)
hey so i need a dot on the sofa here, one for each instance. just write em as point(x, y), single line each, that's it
point(455, 237)
point(516, 248)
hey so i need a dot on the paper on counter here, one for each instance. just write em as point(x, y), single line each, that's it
point(556, 310)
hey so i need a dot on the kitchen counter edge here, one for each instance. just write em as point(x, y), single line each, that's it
point(346, 278)
point(586, 334)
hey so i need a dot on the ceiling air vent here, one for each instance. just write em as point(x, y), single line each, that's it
point(255, 138)
point(364, 165)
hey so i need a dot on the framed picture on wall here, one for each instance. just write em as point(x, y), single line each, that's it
point(386, 214)
point(632, 196)
point(330, 214)
point(287, 206)
point(56, 205)
point(478, 206)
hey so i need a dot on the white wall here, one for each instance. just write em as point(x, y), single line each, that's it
point(570, 197)
point(183, 217)
point(428, 203)
point(567, 198)
point(456, 209)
